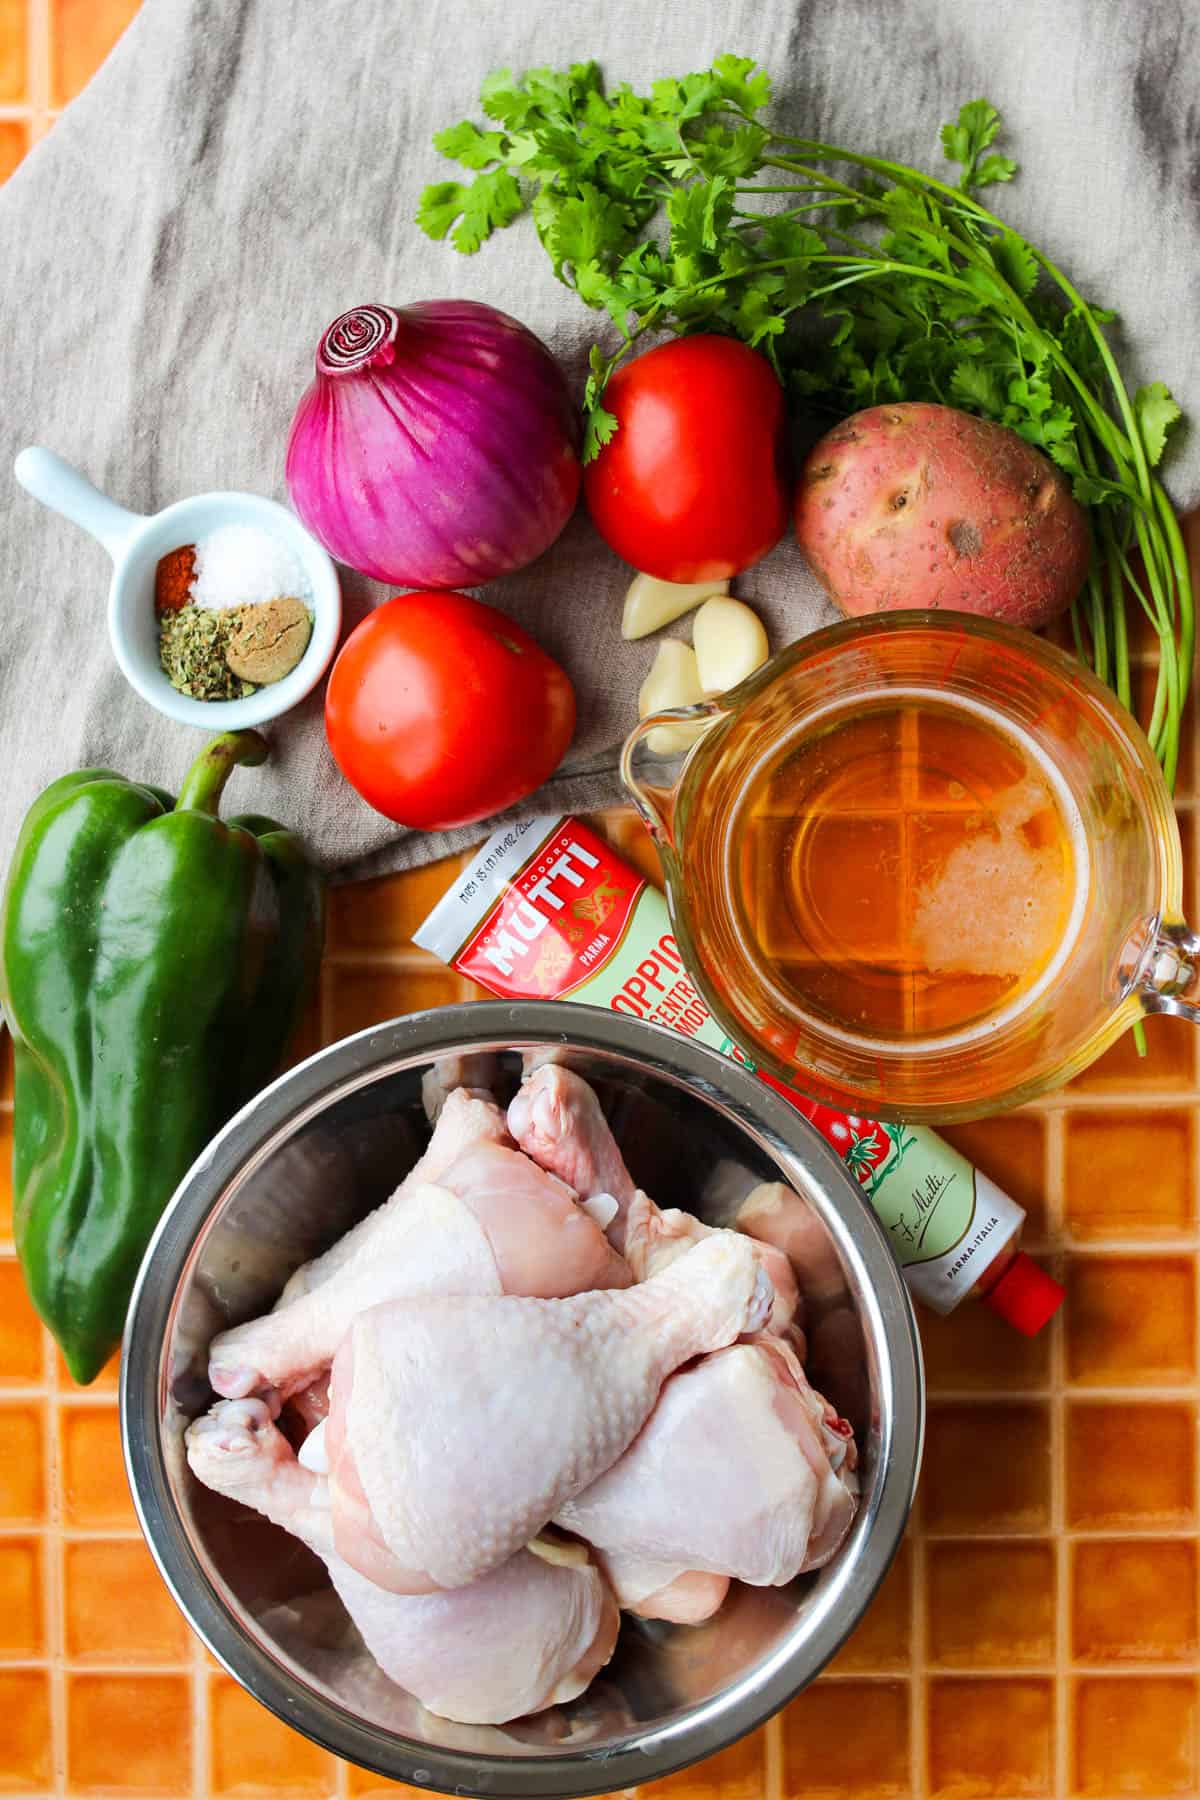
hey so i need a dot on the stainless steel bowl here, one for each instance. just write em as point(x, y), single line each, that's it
point(318, 1150)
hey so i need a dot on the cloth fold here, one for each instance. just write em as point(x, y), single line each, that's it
point(240, 171)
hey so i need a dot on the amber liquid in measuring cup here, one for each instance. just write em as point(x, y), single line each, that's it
point(907, 867)
point(921, 866)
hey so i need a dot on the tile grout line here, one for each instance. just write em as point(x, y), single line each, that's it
point(1054, 1173)
point(918, 1651)
point(38, 72)
point(200, 1721)
point(54, 1568)
point(773, 1772)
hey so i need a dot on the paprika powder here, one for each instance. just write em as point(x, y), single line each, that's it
point(173, 579)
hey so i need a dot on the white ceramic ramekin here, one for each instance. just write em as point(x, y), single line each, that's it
point(136, 541)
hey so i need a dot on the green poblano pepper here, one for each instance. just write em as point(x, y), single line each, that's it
point(154, 960)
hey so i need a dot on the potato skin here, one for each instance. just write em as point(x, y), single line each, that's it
point(916, 505)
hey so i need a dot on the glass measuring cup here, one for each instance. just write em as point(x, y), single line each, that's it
point(1129, 951)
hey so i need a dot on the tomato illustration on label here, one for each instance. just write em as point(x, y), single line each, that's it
point(871, 1150)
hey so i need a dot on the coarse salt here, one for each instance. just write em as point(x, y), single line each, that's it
point(239, 565)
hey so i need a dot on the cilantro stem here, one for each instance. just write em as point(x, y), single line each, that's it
point(931, 296)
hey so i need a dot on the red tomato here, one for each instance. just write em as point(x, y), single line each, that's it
point(440, 710)
point(692, 486)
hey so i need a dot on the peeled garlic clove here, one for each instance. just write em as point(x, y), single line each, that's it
point(730, 644)
point(674, 680)
point(651, 604)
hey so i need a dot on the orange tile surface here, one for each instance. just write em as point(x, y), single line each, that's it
point(14, 50)
point(82, 32)
point(990, 1738)
point(738, 1773)
point(255, 1753)
point(868, 1721)
point(1038, 1636)
point(128, 1734)
point(1133, 1601)
point(1130, 1465)
point(1010, 1621)
point(22, 1627)
point(116, 1608)
point(1136, 1736)
point(26, 1758)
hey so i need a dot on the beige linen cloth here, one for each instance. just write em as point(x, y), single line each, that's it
point(240, 171)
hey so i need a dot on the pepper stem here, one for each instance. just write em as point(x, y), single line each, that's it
point(205, 780)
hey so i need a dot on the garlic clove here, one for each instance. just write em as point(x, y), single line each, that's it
point(674, 680)
point(730, 641)
point(651, 604)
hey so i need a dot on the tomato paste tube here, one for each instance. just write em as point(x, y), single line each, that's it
point(547, 910)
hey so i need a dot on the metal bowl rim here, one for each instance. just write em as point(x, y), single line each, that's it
point(310, 1088)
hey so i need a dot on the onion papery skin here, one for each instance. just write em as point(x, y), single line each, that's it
point(437, 447)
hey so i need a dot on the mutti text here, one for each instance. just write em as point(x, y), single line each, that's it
point(523, 921)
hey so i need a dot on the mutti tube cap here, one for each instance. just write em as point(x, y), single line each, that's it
point(1025, 1296)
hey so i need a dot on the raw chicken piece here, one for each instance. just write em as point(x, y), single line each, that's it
point(465, 1119)
point(655, 1590)
point(494, 1224)
point(475, 1070)
point(556, 1119)
point(770, 1459)
point(530, 1634)
point(773, 1213)
point(458, 1427)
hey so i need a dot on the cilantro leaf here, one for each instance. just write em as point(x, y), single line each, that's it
point(502, 99)
point(491, 201)
point(1016, 263)
point(743, 82)
point(441, 204)
point(466, 144)
point(599, 428)
point(993, 169)
point(1089, 491)
point(1157, 415)
point(968, 137)
point(583, 227)
point(976, 128)
point(976, 386)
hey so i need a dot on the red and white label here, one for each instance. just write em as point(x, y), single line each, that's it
point(557, 921)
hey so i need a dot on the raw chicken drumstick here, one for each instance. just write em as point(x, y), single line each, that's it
point(458, 1427)
point(556, 1119)
point(493, 1224)
point(466, 1118)
point(743, 1428)
point(532, 1633)
point(476, 1070)
point(736, 1412)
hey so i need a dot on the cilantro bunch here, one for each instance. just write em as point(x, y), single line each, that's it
point(863, 281)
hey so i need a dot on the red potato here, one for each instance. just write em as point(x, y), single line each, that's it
point(916, 505)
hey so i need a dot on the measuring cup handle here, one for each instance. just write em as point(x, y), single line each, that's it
point(1171, 979)
point(683, 728)
point(64, 490)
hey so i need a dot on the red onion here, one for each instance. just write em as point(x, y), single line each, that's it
point(437, 447)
